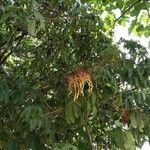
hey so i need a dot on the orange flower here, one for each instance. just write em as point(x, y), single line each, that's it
point(76, 81)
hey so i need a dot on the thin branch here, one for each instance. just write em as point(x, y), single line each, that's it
point(89, 134)
point(129, 8)
point(90, 139)
point(48, 105)
point(148, 12)
point(57, 111)
point(146, 139)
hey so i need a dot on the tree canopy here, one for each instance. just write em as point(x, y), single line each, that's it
point(65, 84)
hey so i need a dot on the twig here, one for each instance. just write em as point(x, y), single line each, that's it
point(146, 139)
point(54, 112)
point(48, 105)
point(130, 7)
point(88, 132)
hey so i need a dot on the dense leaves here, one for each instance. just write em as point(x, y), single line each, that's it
point(41, 42)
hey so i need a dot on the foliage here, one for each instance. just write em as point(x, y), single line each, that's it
point(122, 12)
point(41, 42)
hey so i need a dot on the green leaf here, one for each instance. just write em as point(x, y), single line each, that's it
point(118, 101)
point(76, 110)
point(129, 141)
point(70, 113)
point(132, 26)
point(33, 124)
point(139, 28)
point(119, 4)
point(140, 121)
point(137, 121)
point(34, 4)
point(133, 120)
point(39, 17)
point(27, 113)
point(118, 136)
point(118, 123)
point(31, 27)
point(39, 123)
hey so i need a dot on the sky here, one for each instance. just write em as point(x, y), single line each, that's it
point(123, 32)
point(119, 32)
point(145, 147)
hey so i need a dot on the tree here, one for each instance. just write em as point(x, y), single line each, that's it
point(135, 12)
point(65, 84)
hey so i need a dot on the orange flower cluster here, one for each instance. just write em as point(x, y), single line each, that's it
point(76, 81)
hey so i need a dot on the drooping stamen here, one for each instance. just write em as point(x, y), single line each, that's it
point(76, 81)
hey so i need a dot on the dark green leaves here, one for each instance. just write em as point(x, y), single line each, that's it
point(34, 143)
point(13, 144)
point(33, 116)
point(124, 139)
point(40, 43)
point(73, 112)
point(4, 92)
point(7, 13)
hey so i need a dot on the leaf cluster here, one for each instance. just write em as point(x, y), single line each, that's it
point(41, 42)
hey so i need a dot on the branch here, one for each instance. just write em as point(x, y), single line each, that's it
point(56, 111)
point(89, 134)
point(146, 139)
point(130, 7)
point(48, 105)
